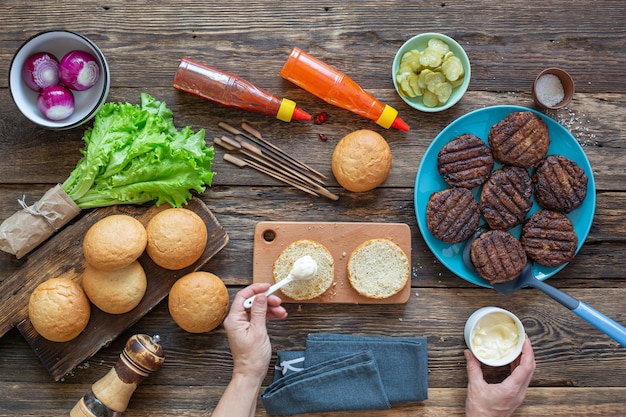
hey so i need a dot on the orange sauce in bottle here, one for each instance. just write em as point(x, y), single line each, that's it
point(336, 88)
point(233, 91)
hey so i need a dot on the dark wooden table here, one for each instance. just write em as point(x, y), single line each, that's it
point(580, 371)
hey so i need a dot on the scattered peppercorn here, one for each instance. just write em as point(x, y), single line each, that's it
point(320, 118)
point(323, 137)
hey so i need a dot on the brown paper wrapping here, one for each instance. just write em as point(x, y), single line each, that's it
point(31, 226)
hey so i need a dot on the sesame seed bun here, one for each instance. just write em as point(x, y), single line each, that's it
point(177, 238)
point(59, 309)
point(114, 242)
point(198, 302)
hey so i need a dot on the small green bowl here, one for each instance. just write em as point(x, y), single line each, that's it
point(421, 42)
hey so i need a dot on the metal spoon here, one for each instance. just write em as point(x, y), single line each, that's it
point(304, 268)
point(528, 279)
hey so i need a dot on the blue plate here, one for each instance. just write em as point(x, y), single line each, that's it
point(479, 122)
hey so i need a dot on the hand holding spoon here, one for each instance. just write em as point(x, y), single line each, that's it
point(304, 268)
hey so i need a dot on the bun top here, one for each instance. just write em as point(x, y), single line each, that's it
point(311, 288)
point(378, 268)
point(177, 238)
point(117, 291)
point(59, 309)
point(114, 242)
point(361, 161)
point(198, 302)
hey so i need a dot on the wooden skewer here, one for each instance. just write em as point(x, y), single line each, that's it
point(277, 159)
point(244, 162)
point(267, 167)
point(256, 153)
point(258, 140)
point(245, 126)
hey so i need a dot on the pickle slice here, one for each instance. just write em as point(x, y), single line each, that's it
point(443, 92)
point(433, 79)
point(430, 99)
point(438, 45)
point(452, 68)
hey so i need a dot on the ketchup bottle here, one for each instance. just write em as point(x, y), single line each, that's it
point(336, 88)
point(233, 91)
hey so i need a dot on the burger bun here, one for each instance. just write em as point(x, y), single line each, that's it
point(361, 161)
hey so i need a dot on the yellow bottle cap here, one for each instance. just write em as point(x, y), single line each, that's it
point(387, 117)
point(286, 109)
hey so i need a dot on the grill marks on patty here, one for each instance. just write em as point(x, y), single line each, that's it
point(498, 256)
point(452, 214)
point(466, 161)
point(560, 184)
point(506, 197)
point(549, 238)
point(521, 139)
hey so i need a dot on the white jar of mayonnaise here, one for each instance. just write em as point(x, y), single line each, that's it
point(494, 335)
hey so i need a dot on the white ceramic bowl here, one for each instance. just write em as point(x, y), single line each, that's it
point(58, 43)
point(494, 335)
point(420, 42)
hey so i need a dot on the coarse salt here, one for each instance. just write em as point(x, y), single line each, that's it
point(549, 90)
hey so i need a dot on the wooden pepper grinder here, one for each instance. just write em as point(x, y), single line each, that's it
point(110, 395)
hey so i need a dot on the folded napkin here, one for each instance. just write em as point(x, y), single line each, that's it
point(350, 382)
point(402, 361)
point(340, 372)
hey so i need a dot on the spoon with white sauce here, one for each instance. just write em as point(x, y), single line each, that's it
point(303, 268)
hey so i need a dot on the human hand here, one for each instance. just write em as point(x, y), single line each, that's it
point(247, 332)
point(498, 400)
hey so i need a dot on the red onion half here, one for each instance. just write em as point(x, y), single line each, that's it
point(40, 70)
point(79, 70)
point(56, 102)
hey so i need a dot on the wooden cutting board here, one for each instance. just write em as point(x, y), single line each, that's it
point(270, 238)
point(62, 255)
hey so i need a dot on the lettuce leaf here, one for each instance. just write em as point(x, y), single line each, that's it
point(134, 154)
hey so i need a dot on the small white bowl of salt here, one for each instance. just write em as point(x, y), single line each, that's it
point(553, 88)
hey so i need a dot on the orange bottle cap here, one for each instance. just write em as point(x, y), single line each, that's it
point(400, 125)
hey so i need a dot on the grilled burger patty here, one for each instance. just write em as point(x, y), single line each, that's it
point(452, 214)
point(549, 238)
point(505, 199)
point(466, 161)
point(560, 184)
point(497, 256)
point(521, 139)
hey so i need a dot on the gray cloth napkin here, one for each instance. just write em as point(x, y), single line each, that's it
point(340, 372)
point(402, 361)
point(349, 382)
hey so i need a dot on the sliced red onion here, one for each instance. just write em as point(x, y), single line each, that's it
point(56, 102)
point(40, 70)
point(79, 70)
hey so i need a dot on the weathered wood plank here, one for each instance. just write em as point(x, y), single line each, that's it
point(508, 44)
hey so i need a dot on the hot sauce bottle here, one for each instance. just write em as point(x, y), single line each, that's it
point(336, 88)
point(233, 91)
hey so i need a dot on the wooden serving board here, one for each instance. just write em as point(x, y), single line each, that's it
point(270, 238)
point(62, 255)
